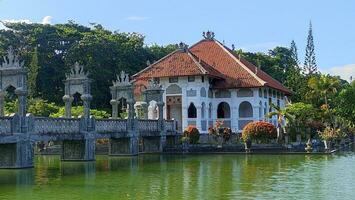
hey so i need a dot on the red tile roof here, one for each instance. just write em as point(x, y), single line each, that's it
point(178, 63)
point(210, 57)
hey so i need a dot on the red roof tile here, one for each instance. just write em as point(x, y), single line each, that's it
point(178, 63)
point(210, 57)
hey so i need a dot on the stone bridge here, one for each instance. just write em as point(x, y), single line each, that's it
point(20, 132)
point(78, 136)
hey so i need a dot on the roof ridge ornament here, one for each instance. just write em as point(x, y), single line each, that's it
point(11, 60)
point(182, 46)
point(209, 35)
point(77, 71)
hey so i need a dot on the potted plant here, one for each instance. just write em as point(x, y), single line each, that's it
point(262, 131)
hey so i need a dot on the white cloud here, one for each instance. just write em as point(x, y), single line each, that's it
point(136, 18)
point(260, 47)
point(343, 71)
point(47, 20)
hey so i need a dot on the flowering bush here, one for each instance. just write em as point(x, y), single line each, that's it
point(263, 131)
point(192, 134)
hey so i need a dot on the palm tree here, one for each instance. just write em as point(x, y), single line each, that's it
point(282, 114)
point(324, 85)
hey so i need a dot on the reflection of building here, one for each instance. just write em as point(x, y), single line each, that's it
point(208, 81)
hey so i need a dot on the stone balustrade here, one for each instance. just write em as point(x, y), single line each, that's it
point(5, 125)
point(111, 125)
point(170, 125)
point(45, 125)
point(147, 125)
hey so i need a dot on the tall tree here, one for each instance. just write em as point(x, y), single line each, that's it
point(294, 53)
point(33, 73)
point(310, 65)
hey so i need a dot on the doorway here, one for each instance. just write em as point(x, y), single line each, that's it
point(174, 110)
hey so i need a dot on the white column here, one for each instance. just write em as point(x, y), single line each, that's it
point(198, 118)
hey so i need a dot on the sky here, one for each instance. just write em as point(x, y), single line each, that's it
point(253, 25)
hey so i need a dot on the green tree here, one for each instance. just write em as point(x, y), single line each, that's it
point(345, 104)
point(281, 114)
point(323, 87)
point(33, 74)
point(310, 65)
point(294, 53)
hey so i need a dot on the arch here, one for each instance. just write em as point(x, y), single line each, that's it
point(192, 111)
point(245, 109)
point(173, 89)
point(223, 110)
point(265, 93)
point(203, 92)
point(260, 92)
point(245, 92)
point(260, 110)
point(203, 108)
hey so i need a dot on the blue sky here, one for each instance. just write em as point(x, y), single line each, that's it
point(253, 25)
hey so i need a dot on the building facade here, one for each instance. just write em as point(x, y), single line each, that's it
point(208, 82)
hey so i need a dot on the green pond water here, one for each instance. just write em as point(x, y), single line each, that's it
point(227, 176)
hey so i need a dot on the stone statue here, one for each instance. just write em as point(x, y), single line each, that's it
point(122, 79)
point(11, 60)
point(77, 71)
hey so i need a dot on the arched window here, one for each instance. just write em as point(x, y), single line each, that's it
point(173, 89)
point(210, 110)
point(223, 110)
point(260, 92)
point(245, 110)
point(203, 92)
point(260, 110)
point(203, 108)
point(192, 112)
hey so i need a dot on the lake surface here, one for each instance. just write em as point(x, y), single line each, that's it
point(228, 176)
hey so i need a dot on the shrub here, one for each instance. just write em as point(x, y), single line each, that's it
point(263, 131)
point(330, 134)
point(192, 133)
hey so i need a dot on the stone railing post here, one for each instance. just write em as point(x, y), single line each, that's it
point(22, 105)
point(2, 104)
point(68, 102)
point(114, 104)
point(161, 126)
point(86, 101)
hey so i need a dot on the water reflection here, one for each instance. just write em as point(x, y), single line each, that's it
point(182, 177)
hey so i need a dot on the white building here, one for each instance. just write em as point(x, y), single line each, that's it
point(209, 82)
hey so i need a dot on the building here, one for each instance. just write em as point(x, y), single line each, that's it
point(208, 82)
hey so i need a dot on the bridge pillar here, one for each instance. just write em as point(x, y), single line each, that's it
point(161, 127)
point(17, 150)
point(16, 155)
point(127, 145)
point(2, 103)
point(81, 150)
